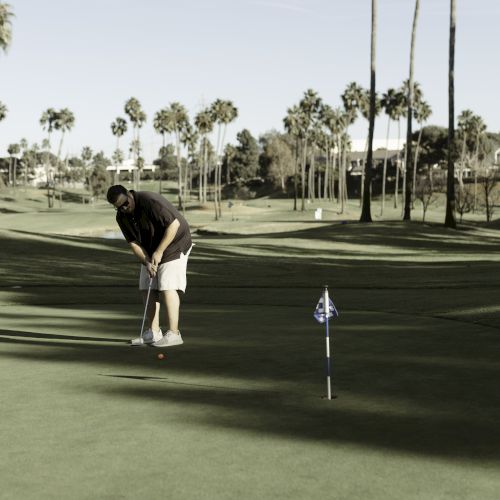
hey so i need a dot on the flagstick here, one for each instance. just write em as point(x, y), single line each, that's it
point(326, 305)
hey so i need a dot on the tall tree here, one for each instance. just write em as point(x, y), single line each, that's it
point(137, 117)
point(64, 122)
point(409, 116)
point(399, 112)
point(364, 108)
point(292, 127)
point(366, 211)
point(86, 157)
point(118, 129)
point(204, 122)
point(352, 99)
point(3, 111)
point(187, 138)
point(47, 121)
point(6, 16)
point(389, 104)
point(178, 116)
point(163, 126)
point(450, 217)
point(422, 112)
point(223, 112)
point(310, 107)
point(13, 150)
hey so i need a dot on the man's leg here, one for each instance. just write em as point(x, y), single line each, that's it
point(172, 304)
point(153, 312)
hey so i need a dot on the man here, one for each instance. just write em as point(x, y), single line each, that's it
point(159, 237)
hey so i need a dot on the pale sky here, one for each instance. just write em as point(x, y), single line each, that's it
point(92, 55)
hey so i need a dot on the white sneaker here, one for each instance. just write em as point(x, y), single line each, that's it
point(169, 339)
point(148, 337)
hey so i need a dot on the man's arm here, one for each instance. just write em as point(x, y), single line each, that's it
point(141, 254)
point(168, 237)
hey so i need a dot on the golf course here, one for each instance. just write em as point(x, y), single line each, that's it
point(238, 411)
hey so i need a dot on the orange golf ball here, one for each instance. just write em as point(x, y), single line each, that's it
point(161, 356)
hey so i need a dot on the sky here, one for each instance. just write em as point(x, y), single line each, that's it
point(91, 56)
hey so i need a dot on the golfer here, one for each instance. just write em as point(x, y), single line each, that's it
point(159, 237)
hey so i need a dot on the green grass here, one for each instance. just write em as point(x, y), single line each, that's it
point(237, 411)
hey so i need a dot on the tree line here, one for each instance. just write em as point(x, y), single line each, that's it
point(312, 154)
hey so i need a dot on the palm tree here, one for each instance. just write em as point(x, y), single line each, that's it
point(422, 112)
point(399, 112)
point(118, 129)
point(478, 128)
point(5, 26)
point(13, 150)
point(190, 139)
point(450, 217)
point(137, 117)
point(351, 98)
point(409, 115)
point(23, 144)
point(187, 137)
point(162, 125)
point(309, 106)
point(389, 104)
point(364, 108)
point(64, 122)
point(3, 111)
point(465, 124)
point(292, 127)
point(178, 116)
point(47, 121)
point(223, 112)
point(365, 212)
point(86, 156)
point(204, 123)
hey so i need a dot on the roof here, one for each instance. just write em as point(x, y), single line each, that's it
point(378, 154)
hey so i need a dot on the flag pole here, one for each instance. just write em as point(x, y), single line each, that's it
point(326, 305)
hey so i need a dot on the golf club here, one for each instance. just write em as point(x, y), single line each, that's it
point(146, 306)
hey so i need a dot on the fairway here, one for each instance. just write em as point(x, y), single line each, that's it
point(237, 411)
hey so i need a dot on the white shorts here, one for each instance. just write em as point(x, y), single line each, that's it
point(170, 276)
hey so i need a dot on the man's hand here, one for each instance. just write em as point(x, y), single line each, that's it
point(151, 269)
point(156, 259)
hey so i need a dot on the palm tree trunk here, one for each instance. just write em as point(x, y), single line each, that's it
point(14, 174)
point(327, 166)
point(415, 166)
point(408, 165)
point(363, 167)
point(384, 173)
point(205, 171)
point(450, 218)
point(396, 187)
point(216, 191)
point(219, 198)
point(303, 174)
point(365, 212)
point(179, 170)
point(295, 173)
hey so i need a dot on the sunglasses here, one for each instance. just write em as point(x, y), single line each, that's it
point(123, 206)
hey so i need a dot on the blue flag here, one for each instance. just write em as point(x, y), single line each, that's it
point(320, 314)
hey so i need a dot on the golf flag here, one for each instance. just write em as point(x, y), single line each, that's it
point(323, 312)
point(321, 315)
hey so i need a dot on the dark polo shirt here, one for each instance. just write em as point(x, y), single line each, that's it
point(146, 226)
